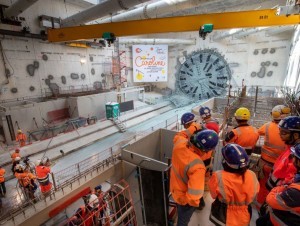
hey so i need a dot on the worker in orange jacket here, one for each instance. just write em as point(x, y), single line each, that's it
point(43, 170)
point(26, 181)
point(284, 170)
point(283, 201)
point(21, 138)
point(15, 155)
point(2, 182)
point(190, 126)
point(244, 134)
point(207, 120)
point(234, 188)
point(272, 148)
point(188, 172)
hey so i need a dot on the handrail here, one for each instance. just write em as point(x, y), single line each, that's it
point(69, 175)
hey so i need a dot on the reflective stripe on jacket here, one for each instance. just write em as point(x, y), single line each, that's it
point(24, 178)
point(187, 174)
point(283, 170)
point(273, 145)
point(42, 174)
point(245, 136)
point(2, 173)
point(237, 192)
point(284, 205)
point(187, 133)
point(14, 156)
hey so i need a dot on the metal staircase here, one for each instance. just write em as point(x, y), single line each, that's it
point(121, 125)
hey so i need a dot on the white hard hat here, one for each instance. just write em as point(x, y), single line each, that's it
point(17, 158)
point(93, 200)
point(19, 167)
point(37, 162)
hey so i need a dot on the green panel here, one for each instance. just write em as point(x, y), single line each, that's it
point(112, 110)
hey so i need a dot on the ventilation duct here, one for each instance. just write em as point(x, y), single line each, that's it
point(279, 30)
point(18, 7)
point(154, 10)
point(152, 41)
point(100, 10)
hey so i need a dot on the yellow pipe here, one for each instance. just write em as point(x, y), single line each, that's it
point(257, 18)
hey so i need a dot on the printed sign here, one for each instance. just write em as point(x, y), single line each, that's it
point(150, 63)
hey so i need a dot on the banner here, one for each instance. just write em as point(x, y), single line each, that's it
point(150, 63)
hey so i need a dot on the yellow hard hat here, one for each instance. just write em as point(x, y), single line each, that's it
point(19, 131)
point(280, 111)
point(242, 114)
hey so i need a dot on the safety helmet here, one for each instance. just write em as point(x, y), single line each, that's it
point(235, 156)
point(296, 151)
point(280, 111)
point(99, 187)
point(19, 131)
point(204, 112)
point(291, 123)
point(242, 114)
point(205, 140)
point(17, 159)
point(37, 162)
point(19, 167)
point(17, 150)
point(187, 118)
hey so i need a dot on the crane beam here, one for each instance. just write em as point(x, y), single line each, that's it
point(227, 20)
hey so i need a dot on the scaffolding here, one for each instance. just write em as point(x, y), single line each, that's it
point(115, 208)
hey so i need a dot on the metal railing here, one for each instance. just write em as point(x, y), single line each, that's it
point(66, 177)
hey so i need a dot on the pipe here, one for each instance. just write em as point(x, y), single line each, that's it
point(155, 41)
point(171, 7)
point(18, 7)
point(278, 30)
point(154, 10)
point(98, 11)
point(250, 31)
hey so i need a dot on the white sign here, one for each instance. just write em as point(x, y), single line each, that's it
point(150, 63)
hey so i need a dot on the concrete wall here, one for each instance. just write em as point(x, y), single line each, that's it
point(24, 114)
point(61, 59)
point(239, 53)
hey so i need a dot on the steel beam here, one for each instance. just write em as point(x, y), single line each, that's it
point(258, 18)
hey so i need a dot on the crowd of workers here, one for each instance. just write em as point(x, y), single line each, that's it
point(92, 212)
point(30, 174)
point(272, 185)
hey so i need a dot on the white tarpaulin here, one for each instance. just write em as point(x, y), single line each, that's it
point(150, 63)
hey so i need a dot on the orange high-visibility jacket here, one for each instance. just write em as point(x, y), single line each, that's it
point(237, 191)
point(283, 170)
point(187, 174)
point(2, 173)
point(284, 205)
point(21, 138)
point(14, 156)
point(42, 174)
point(187, 133)
point(273, 145)
point(25, 178)
point(244, 135)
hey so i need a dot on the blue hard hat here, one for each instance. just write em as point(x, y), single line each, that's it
point(296, 151)
point(204, 112)
point(291, 123)
point(235, 156)
point(187, 118)
point(99, 187)
point(205, 140)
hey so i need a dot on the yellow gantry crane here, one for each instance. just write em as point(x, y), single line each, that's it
point(228, 20)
